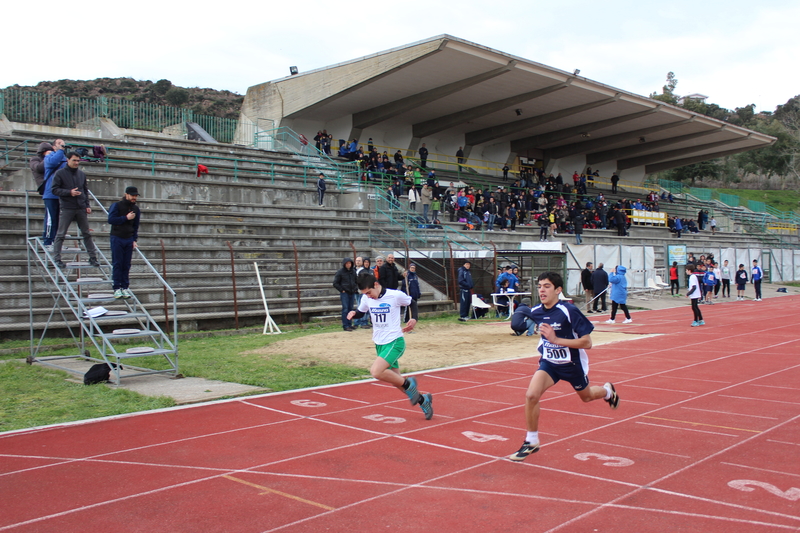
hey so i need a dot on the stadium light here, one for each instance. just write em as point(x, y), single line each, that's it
point(293, 70)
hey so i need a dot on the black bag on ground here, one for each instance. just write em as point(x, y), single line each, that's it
point(98, 373)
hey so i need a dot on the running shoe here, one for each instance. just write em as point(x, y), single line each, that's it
point(426, 404)
point(412, 392)
point(695, 324)
point(627, 321)
point(60, 264)
point(525, 451)
point(93, 262)
point(701, 323)
point(609, 321)
point(118, 294)
point(614, 400)
point(126, 293)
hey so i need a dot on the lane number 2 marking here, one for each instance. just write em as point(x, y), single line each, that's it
point(609, 460)
point(307, 403)
point(481, 437)
point(385, 419)
point(746, 485)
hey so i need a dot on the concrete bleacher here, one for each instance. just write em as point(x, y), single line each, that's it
point(263, 203)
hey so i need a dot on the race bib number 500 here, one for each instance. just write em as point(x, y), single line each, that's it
point(555, 353)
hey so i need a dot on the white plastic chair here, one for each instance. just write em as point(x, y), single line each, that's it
point(478, 303)
point(660, 282)
point(653, 288)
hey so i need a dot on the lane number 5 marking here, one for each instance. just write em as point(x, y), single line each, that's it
point(609, 461)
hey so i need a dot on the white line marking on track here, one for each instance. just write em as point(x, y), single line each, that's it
point(750, 398)
point(478, 399)
point(434, 376)
point(684, 378)
point(774, 387)
point(686, 429)
point(498, 372)
point(579, 414)
point(728, 413)
point(784, 442)
point(340, 397)
point(762, 469)
point(515, 428)
point(641, 402)
point(634, 448)
point(660, 388)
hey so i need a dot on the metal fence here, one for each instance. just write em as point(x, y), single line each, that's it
point(32, 107)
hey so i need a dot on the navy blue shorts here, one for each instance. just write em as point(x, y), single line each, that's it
point(740, 286)
point(570, 372)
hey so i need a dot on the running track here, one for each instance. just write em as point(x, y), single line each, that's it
point(706, 439)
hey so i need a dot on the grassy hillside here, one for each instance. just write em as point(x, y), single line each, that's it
point(787, 200)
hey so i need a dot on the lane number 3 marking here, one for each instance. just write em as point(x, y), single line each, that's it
point(609, 461)
point(746, 485)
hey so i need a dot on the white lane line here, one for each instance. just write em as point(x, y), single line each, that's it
point(728, 413)
point(686, 429)
point(634, 448)
point(762, 469)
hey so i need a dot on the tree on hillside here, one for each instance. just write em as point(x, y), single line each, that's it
point(162, 86)
point(668, 91)
point(177, 96)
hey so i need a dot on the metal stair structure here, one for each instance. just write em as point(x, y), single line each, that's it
point(87, 307)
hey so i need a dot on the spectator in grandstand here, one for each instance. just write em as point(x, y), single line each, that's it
point(577, 223)
point(505, 172)
point(321, 187)
point(586, 282)
point(426, 197)
point(389, 274)
point(600, 288)
point(345, 282)
point(54, 161)
point(423, 156)
point(713, 225)
point(460, 157)
point(465, 285)
point(124, 217)
point(693, 293)
point(36, 165)
point(413, 198)
point(614, 182)
point(756, 275)
point(678, 226)
point(69, 185)
point(701, 219)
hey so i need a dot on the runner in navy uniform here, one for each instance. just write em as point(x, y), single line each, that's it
point(565, 337)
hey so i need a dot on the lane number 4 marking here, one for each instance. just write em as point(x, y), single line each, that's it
point(481, 437)
point(746, 485)
point(385, 419)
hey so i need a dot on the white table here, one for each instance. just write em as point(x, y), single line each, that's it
point(513, 297)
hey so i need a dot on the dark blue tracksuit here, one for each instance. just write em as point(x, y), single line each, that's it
point(124, 233)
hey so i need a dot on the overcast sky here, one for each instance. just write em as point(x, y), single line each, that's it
point(736, 52)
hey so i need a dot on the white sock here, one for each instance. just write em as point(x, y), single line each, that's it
point(608, 392)
point(532, 437)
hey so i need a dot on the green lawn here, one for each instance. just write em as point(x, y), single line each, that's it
point(788, 200)
point(36, 395)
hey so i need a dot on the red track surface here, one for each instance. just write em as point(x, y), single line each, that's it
point(706, 439)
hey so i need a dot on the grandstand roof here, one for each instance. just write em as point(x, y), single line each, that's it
point(449, 87)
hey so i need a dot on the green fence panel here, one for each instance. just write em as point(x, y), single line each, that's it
point(701, 194)
point(729, 199)
point(758, 207)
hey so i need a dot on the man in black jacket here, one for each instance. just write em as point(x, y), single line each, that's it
point(465, 285)
point(599, 285)
point(124, 217)
point(345, 283)
point(388, 274)
point(69, 184)
point(586, 281)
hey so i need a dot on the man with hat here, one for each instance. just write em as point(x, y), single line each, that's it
point(124, 218)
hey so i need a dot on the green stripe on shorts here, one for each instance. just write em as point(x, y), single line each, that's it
point(391, 352)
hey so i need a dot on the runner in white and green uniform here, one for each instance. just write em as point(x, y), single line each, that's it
point(384, 306)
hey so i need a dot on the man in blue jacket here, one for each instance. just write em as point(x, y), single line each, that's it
point(619, 294)
point(53, 162)
point(465, 285)
point(124, 217)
